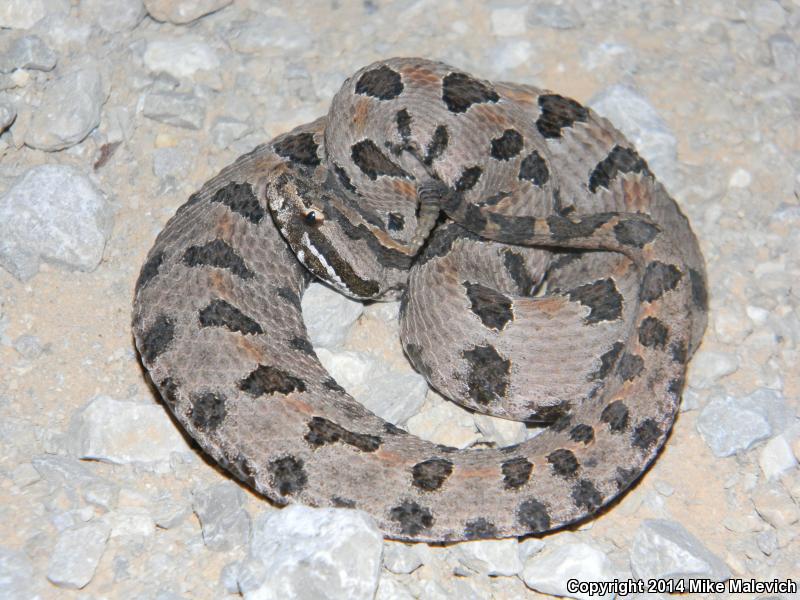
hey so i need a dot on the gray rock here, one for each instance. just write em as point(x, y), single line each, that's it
point(65, 472)
point(24, 475)
point(7, 115)
point(26, 52)
point(226, 130)
point(328, 315)
point(52, 213)
point(181, 109)
point(310, 553)
point(70, 110)
point(734, 424)
point(776, 458)
point(183, 11)
point(131, 521)
point(776, 507)
point(180, 57)
point(548, 571)
point(24, 14)
point(554, 15)
point(168, 513)
point(77, 552)
point(114, 16)
point(663, 549)
point(171, 162)
point(632, 114)
point(16, 574)
point(28, 347)
point(708, 367)
point(225, 522)
point(122, 432)
point(489, 557)
point(784, 52)
point(259, 33)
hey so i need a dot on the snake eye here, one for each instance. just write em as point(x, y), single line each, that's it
point(313, 217)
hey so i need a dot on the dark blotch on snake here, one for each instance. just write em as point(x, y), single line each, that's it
point(299, 148)
point(512, 229)
point(344, 178)
point(468, 179)
point(403, 120)
point(491, 307)
point(208, 410)
point(411, 517)
point(625, 477)
point(699, 291)
point(437, 145)
point(479, 529)
point(288, 475)
point(616, 416)
point(157, 338)
point(395, 222)
point(302, 344)
point(607, 362)
point(516, 472)
point(602, 298)
point(561, 228)
point(558, 112)
point(546, 416)
point(658, 278)
point(382, 83)
point(149, 270)
point(563, 462)
point(219, 254)
point(630, 366)
point(323, 431)
point(645, 434)
point(239, 197)
point(586, 496)
point(429, 475)
point(653, 333)
point(518, 271)
point(507, 146)
point(220, 313)
point(169, 392)
point(266, 379)
point(533, 515)
point(460, 91)
point(679, 352)
point(340, 502)
point(582, 433)
point(619, 160)
point(489, 373)
point(372, 162)
point(635, 233)
point(534, 169)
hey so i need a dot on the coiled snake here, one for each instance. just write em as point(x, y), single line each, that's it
point(545, 275)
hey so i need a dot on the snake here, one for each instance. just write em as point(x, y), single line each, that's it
point(544, 275)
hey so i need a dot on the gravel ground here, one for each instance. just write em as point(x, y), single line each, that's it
point(113, 111)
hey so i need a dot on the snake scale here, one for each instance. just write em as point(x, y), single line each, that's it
point(544, 276)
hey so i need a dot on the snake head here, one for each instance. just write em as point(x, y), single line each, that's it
point(311, 221)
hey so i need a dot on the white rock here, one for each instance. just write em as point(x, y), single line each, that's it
point(663, 549)
point(24, 14)
point(52, 213)
point(328, 315)
point(401, 558)
point(16, 574)
point(183, 11)
point(529, 547)
point(776, 507)
point(784, 52)
point(489, 557)
point(310, 553)
point(708, 367)
point(122, 432)
point(632, 114)
point(554, 15)
point(549, 571)
point(444, 423)
point(130, 521)
point(768, 14)
point(393, 588)
point(114, 16)
point(180, 57)
point(776, 457)
point(740, 178)
point(510, 54)
point(70, 110)
point(226, 130)
point(508, 21)
point(260, 33)
point(77, 552)
point(502, 432)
